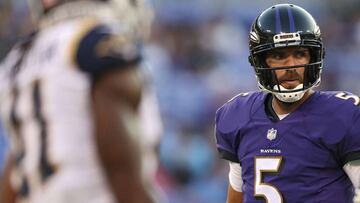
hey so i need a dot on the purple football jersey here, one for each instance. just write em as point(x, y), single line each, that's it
point(297, 159)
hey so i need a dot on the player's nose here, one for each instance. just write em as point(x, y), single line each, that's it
point(291, 61)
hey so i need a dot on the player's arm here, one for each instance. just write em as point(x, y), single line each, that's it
point(7, 194)
point(112, 62)
point(235, 184)
point(226, 138)
point(115, 99)
point(234, 196)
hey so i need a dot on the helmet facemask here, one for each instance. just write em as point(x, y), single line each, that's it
point(269, 81)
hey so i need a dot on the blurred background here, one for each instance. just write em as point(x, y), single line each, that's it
point(198, 60)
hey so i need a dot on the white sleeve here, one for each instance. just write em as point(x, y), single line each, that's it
point(235, 178)
point(352, 169)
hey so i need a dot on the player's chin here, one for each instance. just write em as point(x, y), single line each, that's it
point(290, 84)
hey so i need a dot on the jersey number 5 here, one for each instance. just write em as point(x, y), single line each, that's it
point(345, 96)
point(262, 189)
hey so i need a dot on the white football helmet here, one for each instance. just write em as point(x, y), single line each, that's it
point(136, 13)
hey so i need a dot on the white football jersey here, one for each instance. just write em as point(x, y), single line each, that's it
point(45, 103)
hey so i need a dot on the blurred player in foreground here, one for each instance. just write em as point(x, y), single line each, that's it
point(69, 99)
point(289, 143)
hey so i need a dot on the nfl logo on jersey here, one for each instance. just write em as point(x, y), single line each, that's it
point(271, 134)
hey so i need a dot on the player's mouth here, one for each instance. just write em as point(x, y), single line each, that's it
point(290, 83)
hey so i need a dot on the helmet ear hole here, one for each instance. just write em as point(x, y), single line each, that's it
point(251, 60)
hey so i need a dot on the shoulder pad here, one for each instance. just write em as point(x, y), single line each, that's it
point(344, 102)
point(229, 120)
point(336, 111)
point(103, 48)
point(237, 111)
point(348, 97)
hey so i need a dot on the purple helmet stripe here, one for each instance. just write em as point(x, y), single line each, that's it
point(291, 20)
point(277, 20)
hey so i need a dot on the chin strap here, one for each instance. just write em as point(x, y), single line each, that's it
point(289, 97)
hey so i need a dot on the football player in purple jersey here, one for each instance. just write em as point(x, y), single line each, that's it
point(288, 142)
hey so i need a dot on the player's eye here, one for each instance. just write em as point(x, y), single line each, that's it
point(277, 55)
point(301, 53)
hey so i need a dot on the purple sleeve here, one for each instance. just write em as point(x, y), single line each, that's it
point(226, 139)
point(350, 145)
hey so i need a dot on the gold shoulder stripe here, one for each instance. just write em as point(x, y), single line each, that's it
point(85, 26)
